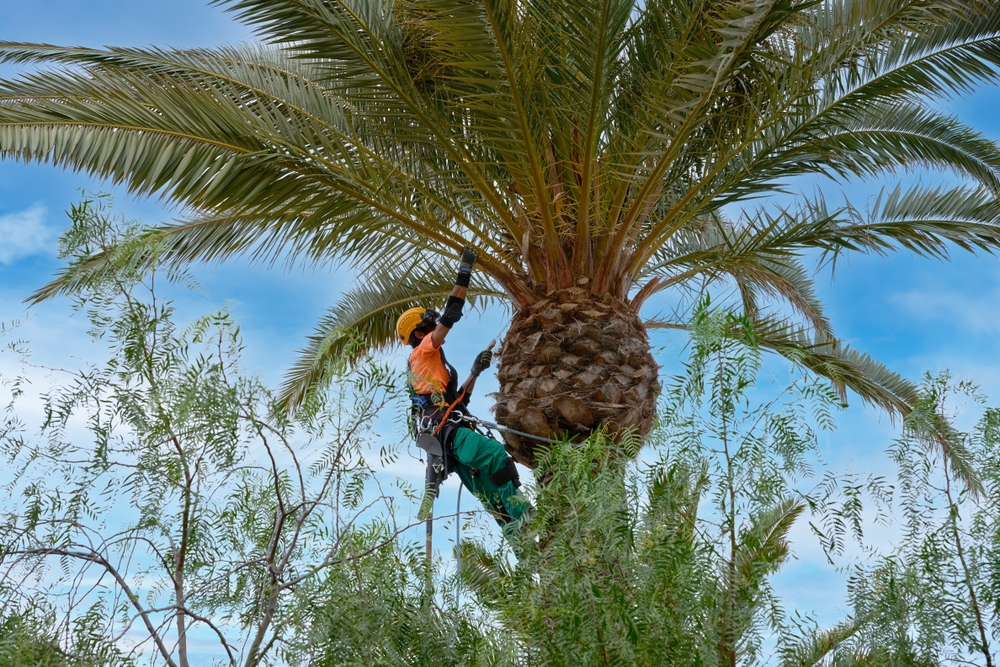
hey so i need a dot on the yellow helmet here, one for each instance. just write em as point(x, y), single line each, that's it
point(409, 321)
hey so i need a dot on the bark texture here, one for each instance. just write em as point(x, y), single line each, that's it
point(571, 363)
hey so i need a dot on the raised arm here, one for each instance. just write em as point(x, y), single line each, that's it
point(456, 300)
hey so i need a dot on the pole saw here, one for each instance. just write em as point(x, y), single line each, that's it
point(435, 473)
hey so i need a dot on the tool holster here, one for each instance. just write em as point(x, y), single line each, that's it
point(436, 443)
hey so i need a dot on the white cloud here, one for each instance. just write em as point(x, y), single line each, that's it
point(973, 312)
point(24, 234)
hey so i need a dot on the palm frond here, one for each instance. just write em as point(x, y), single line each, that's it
point(897, 135)
point(850, 369)
point(935, 49)
point(763, 544)
point(762, 253)
point(761, 549)
point(921, 219)
point(369, 52)
point(756, 256)
point(739, 156)
point(580, 138)
point(827, 357)
point(814, 649)
point(297, 153)
point(364, 321)
point(135, 258)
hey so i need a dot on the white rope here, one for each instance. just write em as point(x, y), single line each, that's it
point(458, 547)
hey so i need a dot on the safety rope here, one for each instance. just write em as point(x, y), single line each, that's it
point(429, 536)
point(498, 427)
point(458, 547)
point(447, 412)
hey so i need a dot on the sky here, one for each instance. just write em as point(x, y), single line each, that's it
point(915, 315)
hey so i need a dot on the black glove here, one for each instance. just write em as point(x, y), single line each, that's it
point(482, 362)
point(469, 257)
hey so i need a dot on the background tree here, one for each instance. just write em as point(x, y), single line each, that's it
point(32, 636)
point(672, 562)
point(169, 508)
point(934, 598)
point(594, 153)
point(165, 504)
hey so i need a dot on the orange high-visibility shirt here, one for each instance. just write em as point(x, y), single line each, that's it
point(430, 376)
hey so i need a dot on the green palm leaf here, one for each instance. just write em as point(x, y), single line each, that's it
point(763, 545)
point(365, 319)
point(850, 369)
point(580, 140)
point(814, 649)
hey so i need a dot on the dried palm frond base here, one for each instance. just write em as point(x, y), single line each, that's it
point(571, 363)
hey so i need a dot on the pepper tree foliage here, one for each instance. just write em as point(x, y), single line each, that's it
point(164, 503)
point(935, 599)
point(30, 635)
point(604, 139)
point(668, 561)
point(167, 505)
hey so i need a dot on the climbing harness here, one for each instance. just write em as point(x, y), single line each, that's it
point(447, 413)
point(437, 459)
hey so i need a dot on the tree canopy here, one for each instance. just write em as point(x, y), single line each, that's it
point(620, 141)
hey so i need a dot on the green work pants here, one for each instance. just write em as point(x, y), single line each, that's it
point(479, 457)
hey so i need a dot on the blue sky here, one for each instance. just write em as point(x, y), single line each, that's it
point(912, 314)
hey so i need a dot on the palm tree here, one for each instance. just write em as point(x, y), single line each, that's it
point(595, 152)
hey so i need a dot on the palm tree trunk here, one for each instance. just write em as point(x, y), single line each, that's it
point(571, 363)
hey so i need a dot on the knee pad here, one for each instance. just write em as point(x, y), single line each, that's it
point(506, 474)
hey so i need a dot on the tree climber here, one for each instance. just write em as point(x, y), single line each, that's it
point(439, 405)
